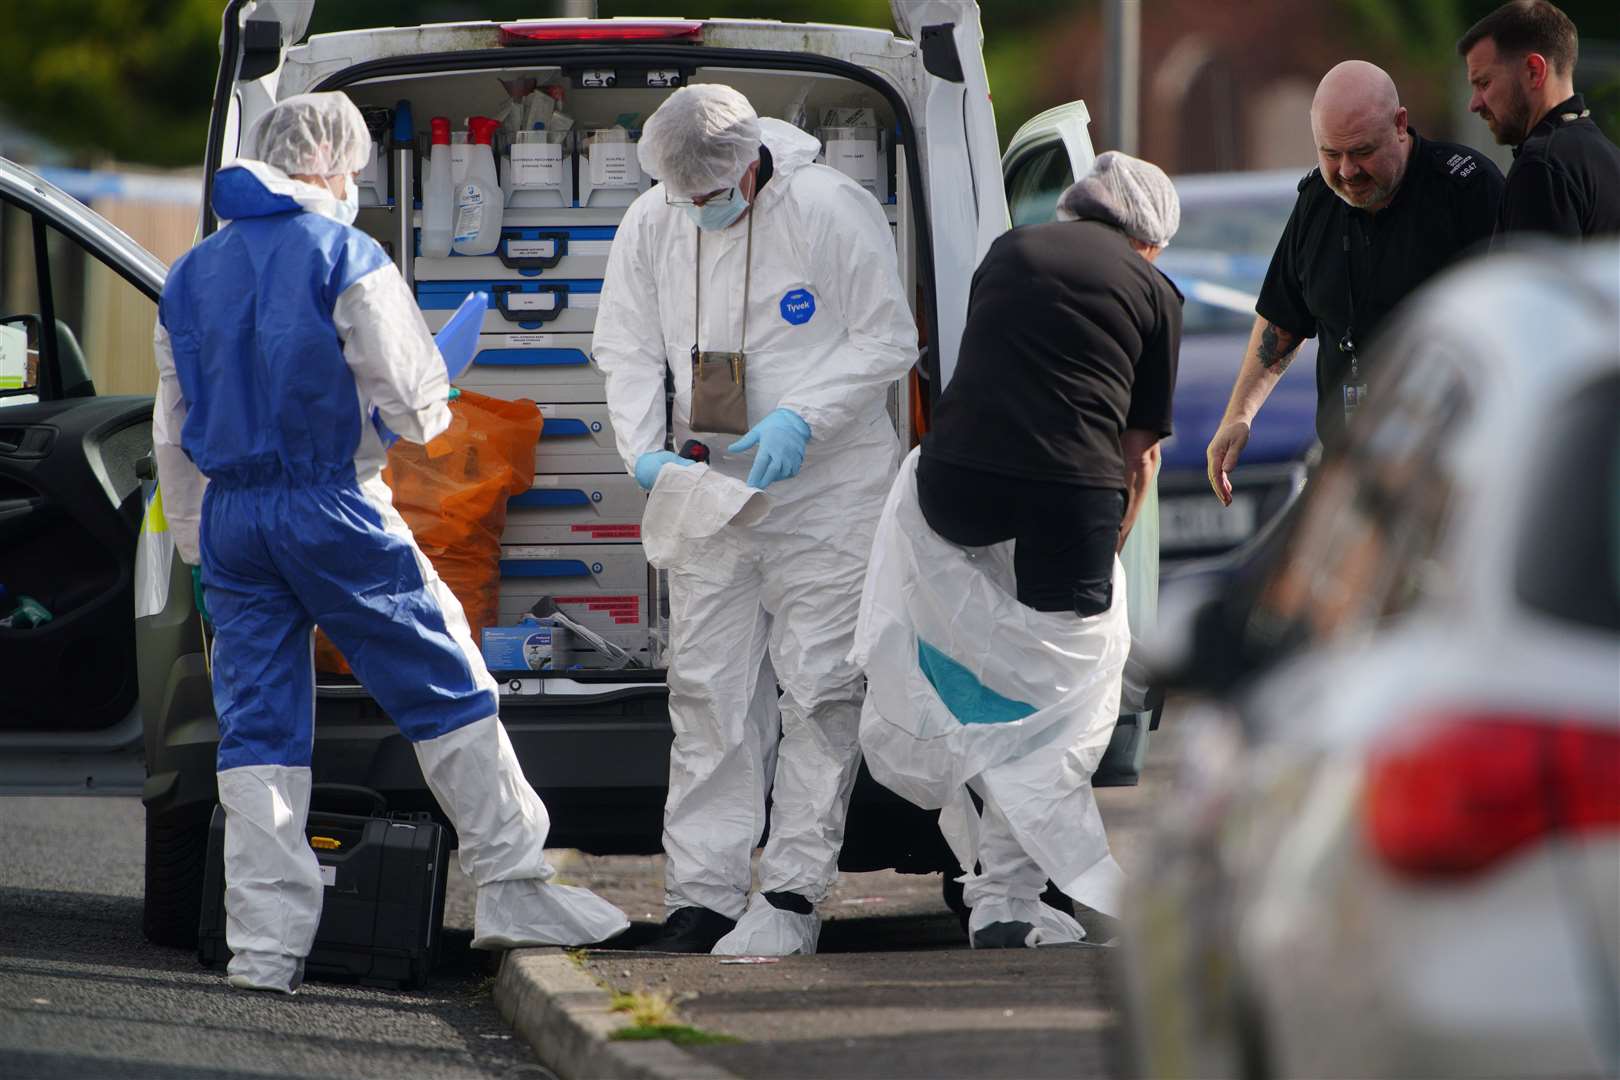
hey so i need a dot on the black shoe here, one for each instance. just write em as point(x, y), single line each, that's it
point(1004, 935)
point(690, 930)
point(790, 901)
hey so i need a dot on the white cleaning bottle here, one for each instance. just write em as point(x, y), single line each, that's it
point(438, 200)
point(479, 204)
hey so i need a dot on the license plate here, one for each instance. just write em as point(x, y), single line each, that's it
point(1200, 521)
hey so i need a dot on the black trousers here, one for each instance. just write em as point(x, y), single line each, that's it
point(1063, 555)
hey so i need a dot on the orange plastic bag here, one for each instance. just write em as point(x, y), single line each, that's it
point(453, 492)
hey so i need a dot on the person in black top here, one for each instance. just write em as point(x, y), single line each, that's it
point(1383, 212)
point(1565, 178)
point(1048, 431)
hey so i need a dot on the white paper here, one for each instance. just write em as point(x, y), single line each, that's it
point(855, 158)
point(329, 876)
point(530, 551)
point(614, 165)
point(537, 165)
point(531, 249)
point(543, 301)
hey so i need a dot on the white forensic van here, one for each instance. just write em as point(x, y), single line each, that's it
point(106, 710)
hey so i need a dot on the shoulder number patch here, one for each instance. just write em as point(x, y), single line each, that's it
point(1462, 166)
point(798, 305)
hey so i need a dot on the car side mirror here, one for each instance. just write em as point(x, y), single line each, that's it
point(19, 353)
point(58, 366)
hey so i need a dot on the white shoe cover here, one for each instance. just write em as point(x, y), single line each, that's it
point(274, 972)
point(768, 931)
point(517, 914)
point(1049, 925)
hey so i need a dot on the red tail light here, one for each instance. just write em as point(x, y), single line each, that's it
point(1468, 792)
point(600, 30)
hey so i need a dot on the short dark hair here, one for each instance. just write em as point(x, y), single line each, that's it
point(1524, 27)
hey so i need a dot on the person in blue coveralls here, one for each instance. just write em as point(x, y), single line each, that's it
point(285, 343)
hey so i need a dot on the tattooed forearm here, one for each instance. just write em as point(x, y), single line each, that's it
point(1276, 348)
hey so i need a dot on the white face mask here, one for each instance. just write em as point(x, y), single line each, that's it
point(344, 209)
point(719, 213)
point(349, 206)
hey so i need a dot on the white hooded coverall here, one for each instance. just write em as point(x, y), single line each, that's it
point(828, 331)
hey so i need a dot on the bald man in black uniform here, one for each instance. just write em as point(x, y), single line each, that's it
point(1385, 210)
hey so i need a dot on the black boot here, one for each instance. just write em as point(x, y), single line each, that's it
point(690, 930)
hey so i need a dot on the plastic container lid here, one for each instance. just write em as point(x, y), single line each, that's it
point(441, 130)
point(404, 123)
point(483, 129)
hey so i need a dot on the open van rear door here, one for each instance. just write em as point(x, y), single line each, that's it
point(963, 218)
point(254, 37)
point(1045, 156)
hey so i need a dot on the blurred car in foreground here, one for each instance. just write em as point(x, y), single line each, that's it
point(1230, 223)
point(1393, 844)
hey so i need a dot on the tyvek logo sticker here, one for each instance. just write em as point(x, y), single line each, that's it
point(797, 306)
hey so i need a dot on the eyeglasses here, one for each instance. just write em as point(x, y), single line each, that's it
point(725, 194)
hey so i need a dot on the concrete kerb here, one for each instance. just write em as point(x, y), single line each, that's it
point(569, 1020)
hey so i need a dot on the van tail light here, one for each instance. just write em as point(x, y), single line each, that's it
point(594, 30)
point(1469, 791)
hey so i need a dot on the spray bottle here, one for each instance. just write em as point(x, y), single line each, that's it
point(479, 204)
point(438, 203)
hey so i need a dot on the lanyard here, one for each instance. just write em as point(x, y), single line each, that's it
point(1347, 343)
point(697, 291)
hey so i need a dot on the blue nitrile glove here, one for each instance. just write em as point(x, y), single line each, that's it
point(781, 438)
point(648, 465)
point(455, 392)
point(198, 597)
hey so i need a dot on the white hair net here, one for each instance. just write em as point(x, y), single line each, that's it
point(701, 139)
point(313, 135)
point(1129, 193)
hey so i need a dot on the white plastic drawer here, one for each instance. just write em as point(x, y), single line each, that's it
point(576, 439)
point(603, 586)
point(537, 252)
point(540, 367)
point(516, 304)
point(576, 508)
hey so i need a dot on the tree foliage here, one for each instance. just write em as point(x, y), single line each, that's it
point(131, 79)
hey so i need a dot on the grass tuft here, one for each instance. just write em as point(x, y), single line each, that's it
point(679, 1034)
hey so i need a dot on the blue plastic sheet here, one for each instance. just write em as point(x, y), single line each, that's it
point(969, 700)
point(458, 339)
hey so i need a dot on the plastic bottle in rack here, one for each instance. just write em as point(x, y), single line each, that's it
point(438, 201)
point(479, 203)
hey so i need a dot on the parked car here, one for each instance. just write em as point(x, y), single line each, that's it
point(1230, 224)
point(1392, 847)
point(114, 694)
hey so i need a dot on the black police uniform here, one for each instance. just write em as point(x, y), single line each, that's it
point(1338, 271)
point(1565, 178)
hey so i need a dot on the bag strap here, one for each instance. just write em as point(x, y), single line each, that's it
point(697, 287)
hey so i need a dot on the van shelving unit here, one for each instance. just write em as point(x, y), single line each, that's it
point(575, 535)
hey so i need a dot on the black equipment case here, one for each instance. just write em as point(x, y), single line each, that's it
point(383, 907)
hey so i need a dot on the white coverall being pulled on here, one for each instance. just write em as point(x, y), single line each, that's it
point(828, 330)
point(282, 341)
point(968, 688)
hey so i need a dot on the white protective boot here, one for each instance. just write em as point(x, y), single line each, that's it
point(1005, 894)
point(765, 930)
point(502, 825)
point(273, 886)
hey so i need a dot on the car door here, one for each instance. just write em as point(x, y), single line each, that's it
point(1043, 158)
point(79, 298)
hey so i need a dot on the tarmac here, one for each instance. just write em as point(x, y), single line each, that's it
point(894, 992)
